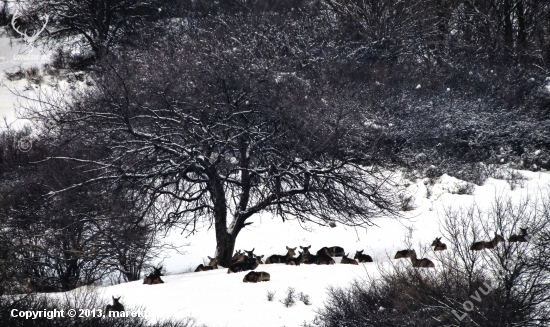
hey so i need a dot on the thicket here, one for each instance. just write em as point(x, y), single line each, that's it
point(501, 287)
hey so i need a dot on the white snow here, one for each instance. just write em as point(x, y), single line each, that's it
point(218, 299)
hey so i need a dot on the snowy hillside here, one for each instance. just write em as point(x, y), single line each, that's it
point(218, 299)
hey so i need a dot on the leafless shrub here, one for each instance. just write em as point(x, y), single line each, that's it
point(464, 188)
point(406, 202)
point(290, 298)
point(515, 179)
point(507, 285)
point(304, 298)
point(271, 295)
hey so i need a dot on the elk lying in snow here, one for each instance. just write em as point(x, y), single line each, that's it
point(213, 264)
point(256, 276)
point(154, 277)
point(303, 257)
point(420, 263)
point(116, 306)
point(360, 257)
point(282, 258)
point(438, 246)
point(32, 286)
point(403, 254)
point(237, 257)
point(346, 260)
point(523, 237)
point(305, 249)
point(319, 260)
point(248, 264)
point(477, 246)
point(333, 251)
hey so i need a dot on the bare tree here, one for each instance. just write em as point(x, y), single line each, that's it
point(223, 126)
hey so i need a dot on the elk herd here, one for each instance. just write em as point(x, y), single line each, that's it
point(248, 261)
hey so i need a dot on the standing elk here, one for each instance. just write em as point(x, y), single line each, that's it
point(115, 307)
point(403, 254)
point(213, 264)
point(420, 263)
point(154, 277)
point(438, 246)
point(256, 276)
point(477, 246)
point(248, 264)
point(346, 260)
point(360, 257)
point(523, 237)
point(281, 258)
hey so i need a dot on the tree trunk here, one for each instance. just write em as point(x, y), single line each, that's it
point(508, 30)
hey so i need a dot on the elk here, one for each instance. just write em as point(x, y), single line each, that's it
point(213, 264)
point(305, 249)
point(333, 251)
point(259, 257)
point(319, 260)
point(346, 260)
point(248, 264)
point(438, 246)
point(256, 276)
point(300, 259)
point(523, 237)
point(360, 257)
point(237, 257)
point(249, 254)
point(422, 263)
point(477, 246)
point(154, 277)
point(403, 254)
point(282, 258)
point(116, 306)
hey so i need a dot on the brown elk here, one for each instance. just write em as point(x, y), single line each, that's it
point(523, 237)
point(319, 260)
point(32, 286)
point(477, 246)
point(300, 259)
point(348, 261)
point(360, 257)
point(154, 277)
point(420, 263)
point(237, 257)
point(305, 249)
point(115, 307)
point(248, 264)
point(282, 258)
point(333, 251)
point(249, 254)
point(256, 276)
point(438, 246)
point(213, 264)
point(403, 254)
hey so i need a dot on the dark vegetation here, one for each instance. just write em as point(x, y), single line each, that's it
point(506, 285)
point(278, 106)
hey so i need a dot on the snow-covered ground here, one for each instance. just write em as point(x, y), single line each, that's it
point(218, 299)
point(12, 58)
